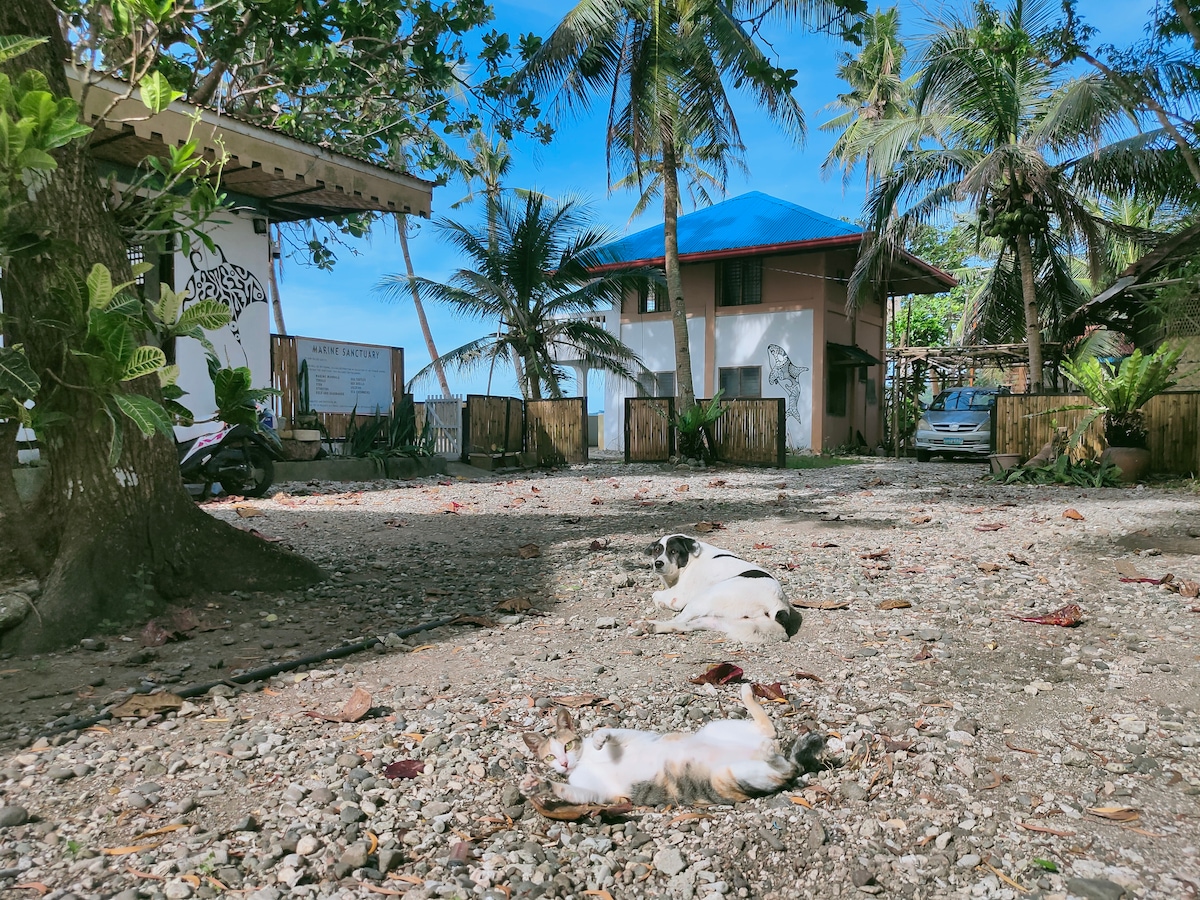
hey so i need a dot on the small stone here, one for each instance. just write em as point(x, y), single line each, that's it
point(969, 861)
point(817, 836)
point(606, 622)
point(177, 890)
point(13, 815)
point(355, 856)
point(861, 878)
point(669, 861)
point(1094, 889)
point(93, 645)
point(307, 845)
point(351, 814)
point(389, 859)
point(1077, 758)
point(852, 790)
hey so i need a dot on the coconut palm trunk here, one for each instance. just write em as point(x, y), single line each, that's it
point(438, 370)
point(683, 353)
point(1033, 320)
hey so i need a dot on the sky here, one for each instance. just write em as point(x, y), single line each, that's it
point(343, 305)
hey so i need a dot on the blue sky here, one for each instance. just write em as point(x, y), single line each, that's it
point(341, 305)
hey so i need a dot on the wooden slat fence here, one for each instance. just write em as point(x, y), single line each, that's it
point(753, 432)
point(445, 415)
point(1172, 420)
point(493, 425)
point(556, 430)
point(285, 378)
point(649, 436)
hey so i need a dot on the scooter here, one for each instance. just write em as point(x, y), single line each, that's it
point(239, 458)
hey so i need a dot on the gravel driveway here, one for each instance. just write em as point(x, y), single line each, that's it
point(975, 755)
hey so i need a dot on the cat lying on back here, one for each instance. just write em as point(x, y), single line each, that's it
point(725, 761)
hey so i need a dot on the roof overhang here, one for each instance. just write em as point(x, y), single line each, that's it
point(908, 275)
point(848, 355)
point(290, 178)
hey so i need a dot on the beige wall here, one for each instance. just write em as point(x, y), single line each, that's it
point(813, 281)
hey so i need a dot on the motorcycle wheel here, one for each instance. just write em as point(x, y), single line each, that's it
point(255, 479)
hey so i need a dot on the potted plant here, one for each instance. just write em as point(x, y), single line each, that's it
point(1118, 393)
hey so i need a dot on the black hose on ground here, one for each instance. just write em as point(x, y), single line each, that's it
point(197, 690)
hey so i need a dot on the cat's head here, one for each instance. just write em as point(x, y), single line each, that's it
point(560, 749)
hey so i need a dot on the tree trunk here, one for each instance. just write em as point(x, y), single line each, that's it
point(1033, 320)
point(683, 353)
point(14, 518)
point(276, 302)
point(402, 231)
point(126, 538)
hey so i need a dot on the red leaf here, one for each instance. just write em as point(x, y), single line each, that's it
point(1073, 514)
point(764, 546)
point(154, 635)
point(721, 673)
point(769, 691)
point(1067, 616)
point(404, 768)
point(808, 676)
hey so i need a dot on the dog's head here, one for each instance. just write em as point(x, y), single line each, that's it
point(670, 554)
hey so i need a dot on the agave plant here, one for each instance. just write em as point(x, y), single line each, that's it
point(1119, 392)
point(694, 427)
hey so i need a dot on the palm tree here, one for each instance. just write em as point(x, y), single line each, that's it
point(878, 90)
point(535, 279)
point(1011, 131)
point(662, 66)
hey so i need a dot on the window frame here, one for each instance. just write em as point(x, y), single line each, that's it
point(752, 264)
point(740, 373)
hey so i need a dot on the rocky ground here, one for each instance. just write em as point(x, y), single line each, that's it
point(974, 755)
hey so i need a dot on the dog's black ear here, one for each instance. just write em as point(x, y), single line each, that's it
point(693, 546)
point(790, 619)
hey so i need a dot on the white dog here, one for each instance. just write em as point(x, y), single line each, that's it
point(716, 590)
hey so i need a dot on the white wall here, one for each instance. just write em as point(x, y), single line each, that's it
point(654, 343)
point(745, 340)
point(236, 274)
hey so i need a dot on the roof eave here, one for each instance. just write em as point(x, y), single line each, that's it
point(846, 240)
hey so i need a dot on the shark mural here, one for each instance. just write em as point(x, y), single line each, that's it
point(786, 374)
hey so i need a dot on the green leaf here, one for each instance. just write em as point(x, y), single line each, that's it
point(100, 287)
point(1048, 864)
point(34, 158)
point(157, 92)
point(167, 307)
point(16, 375)
point(147, 415)
point(13, 45)
point(207, 314)
point(145, 361)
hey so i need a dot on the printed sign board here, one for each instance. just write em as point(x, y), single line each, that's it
point(344, 377)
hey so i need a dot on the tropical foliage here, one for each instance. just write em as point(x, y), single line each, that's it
point(1118, 391)
point(534, 276)
point(1001, 130)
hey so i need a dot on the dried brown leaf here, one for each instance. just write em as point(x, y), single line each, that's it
point(990, 526)
point(153, 635)
point(529, 551)
point(807, 676)
point(141, 705)
point(823, 545)
point(771, 692)
point(514, 605)
point(683, 488)
point(721, 673)
point(921, 520)
point(1073, 514)
point(990, 568)
point(1115, 813)
point(248, 512)
point(1067, 616)
point(598, 545)
point(404, 768)
point(822, 604)
point(706, 527)
point(895, 604)
point(578, 701)
point(553, 808)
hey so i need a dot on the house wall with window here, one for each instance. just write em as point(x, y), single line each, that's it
point(765, 285)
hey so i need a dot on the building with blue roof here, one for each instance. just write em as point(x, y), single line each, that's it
point(764, 283)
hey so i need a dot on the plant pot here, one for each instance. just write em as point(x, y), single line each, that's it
point(1133, 462)
point(1002, 462)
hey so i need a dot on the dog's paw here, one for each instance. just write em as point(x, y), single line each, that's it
point(660, 627)
point(667, 600)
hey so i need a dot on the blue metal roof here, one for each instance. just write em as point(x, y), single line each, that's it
point(739, 223)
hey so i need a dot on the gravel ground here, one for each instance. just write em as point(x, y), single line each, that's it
point(975, 755)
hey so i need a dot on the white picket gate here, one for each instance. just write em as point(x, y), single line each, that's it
point(445, 417)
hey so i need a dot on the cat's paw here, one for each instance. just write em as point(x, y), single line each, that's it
point(532, 785)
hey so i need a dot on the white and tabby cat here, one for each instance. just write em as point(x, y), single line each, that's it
point(724, 762)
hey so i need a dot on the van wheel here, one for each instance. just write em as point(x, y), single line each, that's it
point(924, 455)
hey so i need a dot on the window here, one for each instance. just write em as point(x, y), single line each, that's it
point(835, 391)
point(740, 381)
point(648, 299)
point(739, 282)
point(658, 384)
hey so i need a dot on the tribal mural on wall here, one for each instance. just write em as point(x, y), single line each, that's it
point(786, 374)
point(231, 284)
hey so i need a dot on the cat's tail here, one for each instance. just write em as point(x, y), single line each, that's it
point(807, 753)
